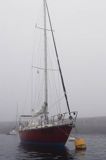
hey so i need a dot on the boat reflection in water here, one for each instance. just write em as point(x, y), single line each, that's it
point(32, 151)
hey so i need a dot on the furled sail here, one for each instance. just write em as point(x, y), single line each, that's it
point(43, 110)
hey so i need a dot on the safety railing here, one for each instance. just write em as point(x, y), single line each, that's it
point(29, 122)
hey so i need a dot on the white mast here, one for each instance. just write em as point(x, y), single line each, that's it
point(45, 59)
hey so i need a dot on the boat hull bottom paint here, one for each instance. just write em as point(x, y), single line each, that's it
point(50, 136)
point(37, 144)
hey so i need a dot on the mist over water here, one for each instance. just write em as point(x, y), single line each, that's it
point(96, 125)
point(80, 31)
point(93, 130)
point(12, 149)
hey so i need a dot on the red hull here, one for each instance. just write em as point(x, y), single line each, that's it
point(48, 135)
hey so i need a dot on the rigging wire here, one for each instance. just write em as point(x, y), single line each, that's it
point(64, 89)
point(37, 88)
point(54, 77)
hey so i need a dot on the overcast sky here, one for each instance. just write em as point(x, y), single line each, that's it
point(80, 31)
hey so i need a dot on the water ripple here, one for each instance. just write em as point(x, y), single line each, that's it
point(11, 149)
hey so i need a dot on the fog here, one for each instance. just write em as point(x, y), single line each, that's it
point(80, 32)
point(95, 125)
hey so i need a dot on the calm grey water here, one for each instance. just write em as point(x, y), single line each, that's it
point(11, 149)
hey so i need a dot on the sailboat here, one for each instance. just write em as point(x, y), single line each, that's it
point(40, 128)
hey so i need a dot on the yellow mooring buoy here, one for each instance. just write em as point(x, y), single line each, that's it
point(80, 144)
